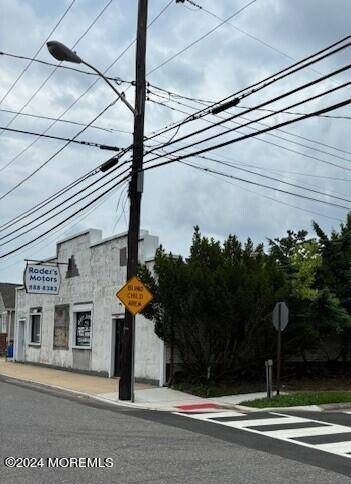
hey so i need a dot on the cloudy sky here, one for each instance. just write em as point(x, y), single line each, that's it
point(262, 39)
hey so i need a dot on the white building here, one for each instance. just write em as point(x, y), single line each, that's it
point(81, 327)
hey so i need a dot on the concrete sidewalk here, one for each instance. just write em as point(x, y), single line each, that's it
point(65, 380)
point(106, 389)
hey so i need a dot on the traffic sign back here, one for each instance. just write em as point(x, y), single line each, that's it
point(280, 316)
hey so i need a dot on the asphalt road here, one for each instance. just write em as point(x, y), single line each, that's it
point(146, 446)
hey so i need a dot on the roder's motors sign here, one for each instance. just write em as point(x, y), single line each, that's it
point(42, 279)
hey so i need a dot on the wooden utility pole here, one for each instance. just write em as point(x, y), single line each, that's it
point(126, 383)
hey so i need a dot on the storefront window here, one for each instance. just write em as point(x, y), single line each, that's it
point(83, 328)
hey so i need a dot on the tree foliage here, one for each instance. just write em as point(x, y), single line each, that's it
point(214, 308)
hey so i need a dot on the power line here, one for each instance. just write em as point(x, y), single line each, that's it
point(117, 80)
point(71, 140)
point(59, 193)
point(251, 135)
point(59, 205)
point(74, 102)
point(268, 110)
point(207, 102)
point(257, 39)
point(275, 136)
point(301, 187)
point(276, 98)
point(78, 220)
point(273, 199)
point(200, 38)
point(250, 182)
point(47, 200)
point(68, 121)
point(86, 126)
point(37, 52)
point(54, 70)
point(26, 178)
point(255, 87)
point(290, 150)
point(271, 170)
point(66, 219)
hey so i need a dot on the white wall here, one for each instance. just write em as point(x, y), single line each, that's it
point(100, 276)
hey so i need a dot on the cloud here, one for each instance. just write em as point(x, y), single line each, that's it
point(176, 197)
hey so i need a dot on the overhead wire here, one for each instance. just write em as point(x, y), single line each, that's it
point(68, 121)
point(44, 203)
point(54, 70)
point(281, 202)
point(27, 177)
point(249, 135)
point(202, 37)
point(242, 31)
point(272, 100)
point(59, 205)
point(31, 60)
point(295, 135)
point(81, 209)
point(77, 220)
point(59, 138)
point(168, 4)
point(259, 85)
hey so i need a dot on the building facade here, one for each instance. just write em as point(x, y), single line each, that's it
point(81, 327)
point(7, 313)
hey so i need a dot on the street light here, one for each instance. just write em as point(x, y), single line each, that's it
point(63, 53)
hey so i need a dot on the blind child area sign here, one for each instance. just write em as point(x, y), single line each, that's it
point(134, 295)
point(42, 279)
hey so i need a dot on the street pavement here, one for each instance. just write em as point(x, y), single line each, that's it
point(150, 446)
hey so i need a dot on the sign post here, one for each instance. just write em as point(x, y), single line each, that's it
point(280, 322)
point(135, 296)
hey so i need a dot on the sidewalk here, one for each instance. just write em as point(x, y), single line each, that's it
point(106, 389)
point(65, 380)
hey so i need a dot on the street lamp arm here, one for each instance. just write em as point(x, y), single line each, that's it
point(120, 95)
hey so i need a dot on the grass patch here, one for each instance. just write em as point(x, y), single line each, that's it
point(301, 398)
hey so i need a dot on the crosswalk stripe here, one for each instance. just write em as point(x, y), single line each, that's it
point(307, 432)
point(235, 420)
point(264, 421)
point(336, 448)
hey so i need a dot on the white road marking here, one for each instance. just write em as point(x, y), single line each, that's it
point(248, 425)
point(308, 431)
point(337, 448)
point(262, 421)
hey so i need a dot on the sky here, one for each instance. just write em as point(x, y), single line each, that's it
point(260, 40)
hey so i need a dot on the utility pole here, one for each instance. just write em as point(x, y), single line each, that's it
point(126, 383)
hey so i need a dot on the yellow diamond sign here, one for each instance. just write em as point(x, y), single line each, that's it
point(134, 295)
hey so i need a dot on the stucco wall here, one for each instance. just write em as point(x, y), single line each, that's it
point(100, 276)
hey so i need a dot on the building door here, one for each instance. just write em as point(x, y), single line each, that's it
point(21, 340)
point(119, 323)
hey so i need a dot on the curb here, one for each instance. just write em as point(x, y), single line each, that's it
point(75, 392)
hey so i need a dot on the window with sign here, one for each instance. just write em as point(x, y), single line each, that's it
point(83, 328)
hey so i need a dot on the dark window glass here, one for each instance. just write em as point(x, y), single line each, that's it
point(83, 328)
point(35, 336)
point(123, 257)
